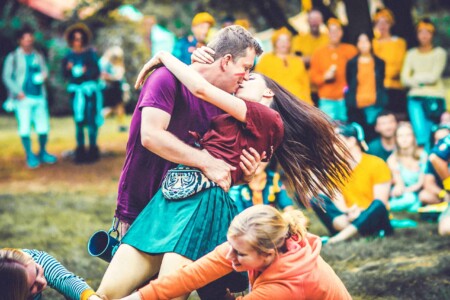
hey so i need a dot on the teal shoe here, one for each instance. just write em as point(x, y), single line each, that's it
point(405, 223)
point(32, 161)
point(47, 158)
point(324, 239)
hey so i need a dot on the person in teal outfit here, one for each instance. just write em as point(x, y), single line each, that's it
point(265, 188)
point(407, 164)
point(201, 23)
point(172, 232)
point(81, 68)
point(24, 74)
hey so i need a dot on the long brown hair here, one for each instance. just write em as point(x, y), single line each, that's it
point(311, 154)
point(13, 275)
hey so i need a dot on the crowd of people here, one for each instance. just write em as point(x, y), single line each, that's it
point(201, 139)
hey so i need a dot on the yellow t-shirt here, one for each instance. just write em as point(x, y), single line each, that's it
point(290, 73)
point(370, 171)
point(393, 53)
point(307, 44)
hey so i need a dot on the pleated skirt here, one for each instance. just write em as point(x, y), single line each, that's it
point(191, 227)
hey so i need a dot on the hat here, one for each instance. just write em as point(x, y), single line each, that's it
point(334, 21)
point(78, 27)
point(276, 34)
point(426, 24)
point(384, 13)
point(203, 17)
point(353, 130)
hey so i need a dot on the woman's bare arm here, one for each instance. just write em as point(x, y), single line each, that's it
point(196, 84)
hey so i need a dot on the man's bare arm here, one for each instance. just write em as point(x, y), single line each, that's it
point(156, 138)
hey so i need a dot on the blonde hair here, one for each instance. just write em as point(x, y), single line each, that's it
point(13, 274)
point(417, 150)
point(265, 228)
point(114, 55)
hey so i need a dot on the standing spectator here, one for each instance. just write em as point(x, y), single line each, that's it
point(328, 66)
point(283, 67)
point(265, 188)
point(24, 274)
point(116, 88)
point(305, 44)
point(366, 95)
point(81, 69)
point(422, 73)
point(433, 190)
point(385, 126)
point(392, 50)
point(201, 23)
point(407, 165)
point(157, 37)
point(361, 206)
point(24, 74)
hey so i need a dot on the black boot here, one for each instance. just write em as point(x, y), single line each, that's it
point(80, 155)
point(93, 154)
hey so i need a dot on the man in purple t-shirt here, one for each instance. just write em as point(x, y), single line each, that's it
point(166, 112)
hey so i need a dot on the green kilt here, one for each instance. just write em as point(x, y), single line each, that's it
point(191, 227)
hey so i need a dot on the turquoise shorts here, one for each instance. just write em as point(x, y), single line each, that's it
point(335, 109)
point(31, 112)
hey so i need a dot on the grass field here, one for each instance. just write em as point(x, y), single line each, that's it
point(56, 208)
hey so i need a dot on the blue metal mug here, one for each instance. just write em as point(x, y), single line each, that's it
point(103, 245)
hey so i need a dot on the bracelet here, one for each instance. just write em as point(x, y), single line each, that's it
point(446, 183)
point(442, 194)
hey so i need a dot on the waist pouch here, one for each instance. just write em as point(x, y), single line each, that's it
point(183, 182)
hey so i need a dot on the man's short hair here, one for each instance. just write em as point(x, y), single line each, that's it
point(234, 40)
point(385, 113)
point(23, 31)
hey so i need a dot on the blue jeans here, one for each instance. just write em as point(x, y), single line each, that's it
point(335, 109)
point(419, 121)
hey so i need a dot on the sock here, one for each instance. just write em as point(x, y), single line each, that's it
point(26, 142)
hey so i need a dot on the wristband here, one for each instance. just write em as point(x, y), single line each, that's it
point(446, 183)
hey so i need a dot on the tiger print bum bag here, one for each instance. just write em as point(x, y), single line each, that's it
point(183, 182)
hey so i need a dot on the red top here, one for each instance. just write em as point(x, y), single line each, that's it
point(227, 137)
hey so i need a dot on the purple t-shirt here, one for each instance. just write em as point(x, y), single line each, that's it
point(143, 170)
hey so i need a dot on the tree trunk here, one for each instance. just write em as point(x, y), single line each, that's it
point(359, 20)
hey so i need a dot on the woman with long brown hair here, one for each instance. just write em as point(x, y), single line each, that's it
point(190, 215)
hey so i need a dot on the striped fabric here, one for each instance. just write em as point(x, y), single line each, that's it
point(58, 277)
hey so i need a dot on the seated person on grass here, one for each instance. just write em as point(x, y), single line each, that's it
point(433, 191)
point(439, 159)
point(385, 126)
point(265, 188)
point(361, 205)
point(407, 164)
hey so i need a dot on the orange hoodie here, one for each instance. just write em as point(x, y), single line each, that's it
point(300, 273)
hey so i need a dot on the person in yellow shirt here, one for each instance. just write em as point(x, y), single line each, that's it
point(391, 49)
point(328, 67)
point(283, 67)
point(305, 44)
point(361, 205)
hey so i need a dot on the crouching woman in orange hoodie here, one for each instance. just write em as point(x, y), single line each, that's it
point(283, 261)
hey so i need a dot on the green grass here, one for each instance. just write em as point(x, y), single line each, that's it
point(56, 209)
